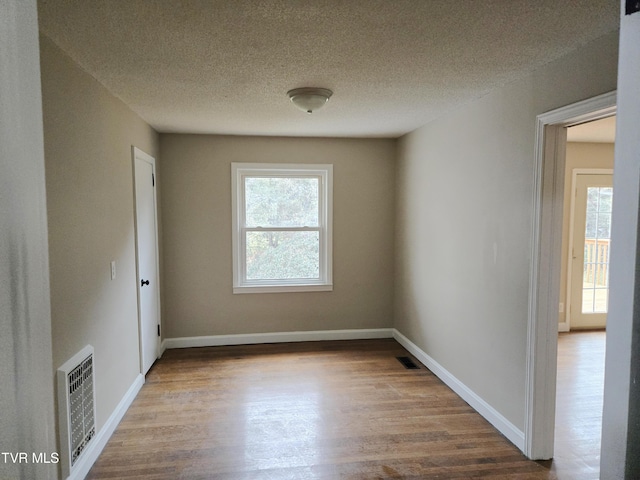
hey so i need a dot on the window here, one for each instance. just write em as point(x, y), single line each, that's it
point(282, 217)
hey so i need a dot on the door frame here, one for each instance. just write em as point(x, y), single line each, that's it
point(566, 325)
point(136, 153)
point(545, 267)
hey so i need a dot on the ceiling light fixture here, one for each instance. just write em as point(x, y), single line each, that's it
point(309, 99)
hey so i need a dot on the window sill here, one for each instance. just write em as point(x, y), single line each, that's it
point(282, 288)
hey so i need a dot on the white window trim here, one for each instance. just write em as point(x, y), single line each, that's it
point(325, 172)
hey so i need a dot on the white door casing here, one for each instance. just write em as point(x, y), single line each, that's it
point(147, 259)
point(544, 291)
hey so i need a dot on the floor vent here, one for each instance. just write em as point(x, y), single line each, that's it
point(408, 363)
point(76, 407)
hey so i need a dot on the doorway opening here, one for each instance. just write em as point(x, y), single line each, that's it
point(586, 230)
point(546, 267)
point(584, 294)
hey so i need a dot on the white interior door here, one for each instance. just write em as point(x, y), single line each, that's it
point(147, 258)
point(591, 249)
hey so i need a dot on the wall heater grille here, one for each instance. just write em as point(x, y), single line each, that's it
point(76, 407)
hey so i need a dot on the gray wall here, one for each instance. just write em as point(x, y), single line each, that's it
point(464, 214)
point(26, 397)
point(88, 135)
point(196, 216)
point(621, 416)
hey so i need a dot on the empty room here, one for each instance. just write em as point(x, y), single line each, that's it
point(302, 239)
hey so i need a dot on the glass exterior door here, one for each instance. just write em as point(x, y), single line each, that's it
point(591, 251)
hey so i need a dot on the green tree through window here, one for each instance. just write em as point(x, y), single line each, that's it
point(282, 226)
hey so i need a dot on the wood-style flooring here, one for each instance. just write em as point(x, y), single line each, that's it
point(317, 410)
point(579, 394)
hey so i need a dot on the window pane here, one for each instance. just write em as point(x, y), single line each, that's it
point(601, 278)
point(595, 281)
point(587, 301)
point(601, 297)
point(592, 199)
point(283, 255)
point(606, 198)
point(592, 223)
point(588, 276)
point(604, 225)
point(281, 202)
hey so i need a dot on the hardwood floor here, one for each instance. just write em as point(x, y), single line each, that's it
point(318, 410)
point(579, 394)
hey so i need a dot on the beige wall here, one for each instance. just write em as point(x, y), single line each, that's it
point(464, 217)
point(88, 135)
point(196, 215)
point(579, 155)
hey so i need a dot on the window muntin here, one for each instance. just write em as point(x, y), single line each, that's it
point(281, 227)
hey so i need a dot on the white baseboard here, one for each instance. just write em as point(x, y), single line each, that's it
point(504, 426)
point(563, 327)
point(278, 337)
point(95, 448)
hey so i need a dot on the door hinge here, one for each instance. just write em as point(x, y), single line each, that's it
point(153, 180)
point(158, 329)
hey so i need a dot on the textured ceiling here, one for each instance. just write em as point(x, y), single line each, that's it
point(212, 66)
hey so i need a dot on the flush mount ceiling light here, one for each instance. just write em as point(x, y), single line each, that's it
point(309, 99)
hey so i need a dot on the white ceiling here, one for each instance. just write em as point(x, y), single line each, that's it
point(598, 131)
point(214, 66)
